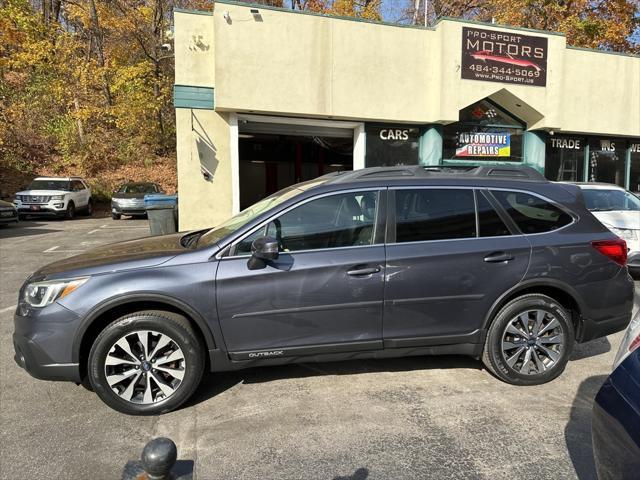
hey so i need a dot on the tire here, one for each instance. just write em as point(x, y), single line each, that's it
point(89, 210)
point(70, 214)
point(116, 216)
point(547, 358)
point(140, 399)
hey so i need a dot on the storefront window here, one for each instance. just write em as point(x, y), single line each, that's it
point(606, 161)
point(565, 159)
point(484, 132)
point(634, 172)
point(390, 145)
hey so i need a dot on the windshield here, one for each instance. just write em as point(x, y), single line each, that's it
point(255, 210)
point(49, 185)
point(137, 188)
point(600, 200)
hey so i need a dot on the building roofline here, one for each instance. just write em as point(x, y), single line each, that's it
point(390, 24)
point(192, 11)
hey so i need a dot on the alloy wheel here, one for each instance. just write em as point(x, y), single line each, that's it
point(533, 342)
point(145, 367)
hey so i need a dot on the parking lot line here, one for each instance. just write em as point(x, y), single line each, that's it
point(55, 250)
point(7, 309)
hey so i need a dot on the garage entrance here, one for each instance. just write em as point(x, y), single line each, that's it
point(272, 155)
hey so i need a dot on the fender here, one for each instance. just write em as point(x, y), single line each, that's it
point(527, 284)
point(140, 297)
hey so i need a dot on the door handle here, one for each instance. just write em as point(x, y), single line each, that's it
point(498, 257)
point(363, 271)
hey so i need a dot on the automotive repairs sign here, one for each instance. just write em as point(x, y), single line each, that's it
point(504, 57)
point(483, 145)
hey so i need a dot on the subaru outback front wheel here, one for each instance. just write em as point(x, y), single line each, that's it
point(529, 341)
point(146, 363)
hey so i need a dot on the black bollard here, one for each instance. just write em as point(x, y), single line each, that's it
point(158, 458)
point(159, 462)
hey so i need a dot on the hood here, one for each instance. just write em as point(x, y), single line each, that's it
point(116, 196)
point(620, 219)
point(144, 252)
point(39, 193)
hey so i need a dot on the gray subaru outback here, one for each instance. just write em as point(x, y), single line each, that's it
point(496, 263)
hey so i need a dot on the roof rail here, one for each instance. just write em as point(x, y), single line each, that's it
point(515, 172)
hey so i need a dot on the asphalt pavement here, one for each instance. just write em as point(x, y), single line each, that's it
point(421, 417)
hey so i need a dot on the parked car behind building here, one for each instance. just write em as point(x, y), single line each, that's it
point(128, 199)
point(619, 211)
point(55, 196)
point(493, 262)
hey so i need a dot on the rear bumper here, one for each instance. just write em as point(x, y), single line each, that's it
point(606, 306)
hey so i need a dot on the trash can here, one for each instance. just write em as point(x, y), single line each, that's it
point(162, 213)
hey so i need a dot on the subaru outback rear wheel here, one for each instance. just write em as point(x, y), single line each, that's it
point(529, 341)
point(146, 363)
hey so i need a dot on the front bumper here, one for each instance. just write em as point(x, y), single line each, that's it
point(53, 208)
point(43, 342)
point(128, 208)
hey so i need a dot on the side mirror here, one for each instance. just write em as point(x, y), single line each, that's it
point(263, 249)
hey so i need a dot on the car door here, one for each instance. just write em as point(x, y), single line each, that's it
point(324, 292)
point(446, 265)
point(77, 193)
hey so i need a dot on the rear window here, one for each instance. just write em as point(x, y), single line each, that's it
point(530, 213)
point(434, 214)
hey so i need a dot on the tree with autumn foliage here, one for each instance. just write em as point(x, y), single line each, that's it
point(612, 25)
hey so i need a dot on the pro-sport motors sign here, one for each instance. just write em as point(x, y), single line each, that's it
point(503, 57)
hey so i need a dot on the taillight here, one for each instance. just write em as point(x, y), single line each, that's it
point(635, 344)
point(615, 250)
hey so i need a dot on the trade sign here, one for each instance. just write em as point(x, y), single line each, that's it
point(504, 57)
point(483, 145)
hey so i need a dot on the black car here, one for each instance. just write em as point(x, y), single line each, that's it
point(129, 199)
point(8, 213)
point(496, 263)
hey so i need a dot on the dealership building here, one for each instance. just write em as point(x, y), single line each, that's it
point(268, 97)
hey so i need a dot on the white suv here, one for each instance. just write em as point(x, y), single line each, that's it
point(61, 197)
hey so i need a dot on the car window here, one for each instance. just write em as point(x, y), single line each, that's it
point(62, 185)
point(138, 188)
point(530, 213)
point(342, 220)
point(76, 186)
point(489, 222)
point(434, 214)
point(601, 200)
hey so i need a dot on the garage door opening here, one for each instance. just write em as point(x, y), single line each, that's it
point(272, 156)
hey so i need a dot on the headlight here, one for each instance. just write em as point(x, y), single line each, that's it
point(57, 197)
point(41, 294)
point(624, 233)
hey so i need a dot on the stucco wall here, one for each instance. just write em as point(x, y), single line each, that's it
point(292, 64)
point(202, 135)
point(310, 65)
